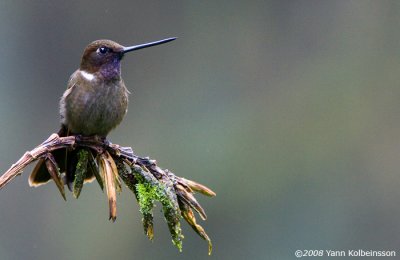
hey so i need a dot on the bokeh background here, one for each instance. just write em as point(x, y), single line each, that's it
point(289, 110)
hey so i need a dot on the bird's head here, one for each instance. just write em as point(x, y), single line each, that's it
point(105, 55)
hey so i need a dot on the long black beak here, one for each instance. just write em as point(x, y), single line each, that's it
point(145, 45)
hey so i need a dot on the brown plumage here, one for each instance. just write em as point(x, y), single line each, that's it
point(95, 102)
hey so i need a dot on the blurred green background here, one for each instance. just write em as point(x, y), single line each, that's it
point(289, 110)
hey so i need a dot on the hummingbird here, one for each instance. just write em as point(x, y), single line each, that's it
point(95, 102)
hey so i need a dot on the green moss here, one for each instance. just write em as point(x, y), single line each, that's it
point(80, 172)
point(147, 194)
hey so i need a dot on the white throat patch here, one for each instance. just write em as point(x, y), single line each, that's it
point(86, 75)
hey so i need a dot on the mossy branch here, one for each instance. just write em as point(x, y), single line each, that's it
point(112, 163)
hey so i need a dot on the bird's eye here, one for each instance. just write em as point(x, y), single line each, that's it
point(103, 50)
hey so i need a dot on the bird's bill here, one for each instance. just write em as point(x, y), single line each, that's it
point(145, 45)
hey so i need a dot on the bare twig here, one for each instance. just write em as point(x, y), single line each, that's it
point(54, 142)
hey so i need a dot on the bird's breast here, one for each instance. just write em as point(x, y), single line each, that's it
point(94, 109)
